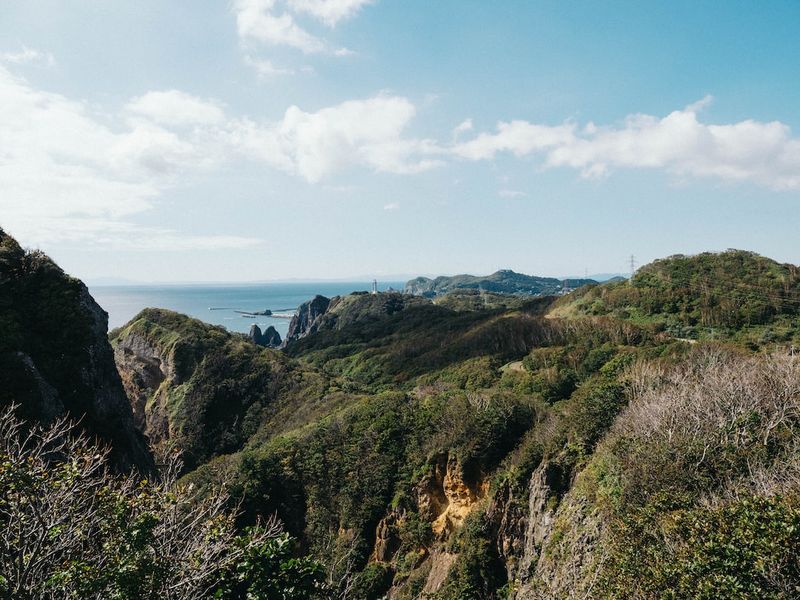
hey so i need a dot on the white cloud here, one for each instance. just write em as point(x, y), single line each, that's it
point(517, 137)
point(275, 23)
point(753, 151)
point(258, 20)
point(176, 108)
point(391, 206)
point(67, 176)
point(329, 12)
point(314, 145)
point(463, 127)
point(511, 194)
point(28, 55)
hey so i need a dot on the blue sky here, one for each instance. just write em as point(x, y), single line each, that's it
point(274, 139)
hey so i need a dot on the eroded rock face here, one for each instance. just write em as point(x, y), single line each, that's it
point(546, 538)
point(143, 369)
point(305, 319)
point(570, 556)
point(441, 562)
point(387, 541)
point(445, 498)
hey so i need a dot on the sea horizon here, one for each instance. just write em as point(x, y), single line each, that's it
point(217, 303)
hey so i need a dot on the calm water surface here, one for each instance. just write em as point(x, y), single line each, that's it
point(123, 302)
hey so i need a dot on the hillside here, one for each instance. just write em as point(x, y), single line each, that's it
point(733, 294)
point(442, 472)
point(199, 388)
point(500, 282)
point(55, 360)
point(547, 448)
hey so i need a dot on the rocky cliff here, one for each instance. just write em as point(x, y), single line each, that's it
point(322, 314)
point(305, 319)
point(55, 359)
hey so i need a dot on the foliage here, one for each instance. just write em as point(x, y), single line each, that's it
point(71, 529)
point(707, 465)
point(733, 294)
point(220, 385)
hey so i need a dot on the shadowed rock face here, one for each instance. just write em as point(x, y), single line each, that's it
point(55, 358)
point(306, 317)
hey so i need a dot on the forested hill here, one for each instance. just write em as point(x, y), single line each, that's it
point(733, 294)
point(502, 282)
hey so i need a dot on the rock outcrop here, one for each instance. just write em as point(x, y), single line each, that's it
point(306, 318)
point(270, 338)
point(198, 388)
point(387, 540)
point(55, 359)
point(445, 498)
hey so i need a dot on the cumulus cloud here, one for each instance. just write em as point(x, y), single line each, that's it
point(464, 127)
point(329, 12)
point(259, 20)
point(763, 153)
point(67, 173)
point(391, 206)
point(265, 68)
point(314, 145)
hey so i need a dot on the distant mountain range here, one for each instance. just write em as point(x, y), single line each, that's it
point(499, 282)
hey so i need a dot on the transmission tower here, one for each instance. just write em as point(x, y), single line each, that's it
point(633, 265)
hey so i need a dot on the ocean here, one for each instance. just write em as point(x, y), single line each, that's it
point(123, 302)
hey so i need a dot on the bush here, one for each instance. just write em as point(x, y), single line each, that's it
point(71, 529)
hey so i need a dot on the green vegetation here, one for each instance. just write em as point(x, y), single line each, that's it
point(632, 439)
point(732, 295)
point(213, 389)
point(500, 282)
point(54, 355)
point(474, 299)
point(72, 530)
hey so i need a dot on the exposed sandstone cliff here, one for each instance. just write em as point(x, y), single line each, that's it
point(445, 498)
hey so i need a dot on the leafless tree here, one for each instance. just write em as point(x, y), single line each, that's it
point(65, 517)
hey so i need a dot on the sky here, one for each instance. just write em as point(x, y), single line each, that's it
point(251, 140)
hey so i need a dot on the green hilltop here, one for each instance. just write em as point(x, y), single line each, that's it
point(500, 282)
